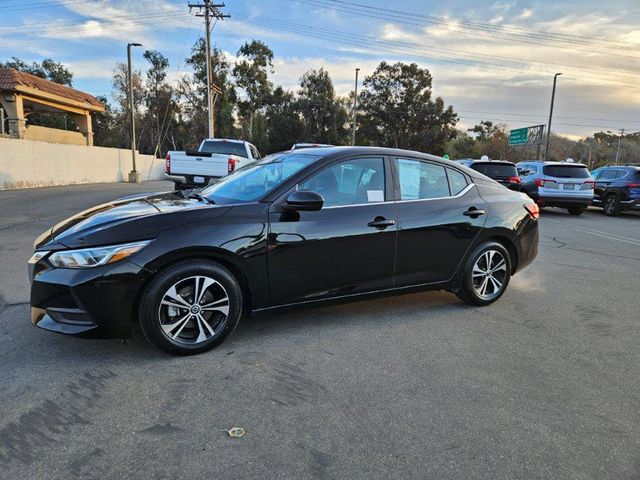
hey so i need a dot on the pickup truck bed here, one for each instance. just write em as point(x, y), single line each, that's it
point(214, 159)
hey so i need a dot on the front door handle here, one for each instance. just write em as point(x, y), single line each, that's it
point(381, 223)
point(474, 212)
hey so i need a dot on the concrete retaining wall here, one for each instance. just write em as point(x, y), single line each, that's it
point(30, 164)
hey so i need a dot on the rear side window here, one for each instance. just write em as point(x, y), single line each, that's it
point(457, 181)
point(421, 180)
point(607, 175)
point(566, 171)
point(496, 170)
point(526, 170)
point(224, 148)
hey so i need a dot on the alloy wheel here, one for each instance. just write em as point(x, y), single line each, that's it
point(194, 310)
point(489, 274)
point(610, 204)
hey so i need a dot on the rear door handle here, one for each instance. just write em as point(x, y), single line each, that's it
point(381, 223)
point(474, 212)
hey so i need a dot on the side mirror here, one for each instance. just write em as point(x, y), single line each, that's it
point(305, 200)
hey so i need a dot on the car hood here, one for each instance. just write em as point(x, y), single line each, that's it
point(76, 230)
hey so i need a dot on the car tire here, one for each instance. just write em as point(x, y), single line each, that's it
point(576, 210)
point(172, 317)
point(476, 275)
point(611, 205)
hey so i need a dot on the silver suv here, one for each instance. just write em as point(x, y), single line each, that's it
point(557, 184)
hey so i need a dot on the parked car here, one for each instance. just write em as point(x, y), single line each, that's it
point(300, 146)
point(215, 158)
point(502, 171)
point(557, 184)
point(617, 188)
point(294, 228)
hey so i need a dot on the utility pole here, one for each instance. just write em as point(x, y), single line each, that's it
point(134, 175)
point(355, 110)
point(619, 142)
point(553, 95)
point(209, 10)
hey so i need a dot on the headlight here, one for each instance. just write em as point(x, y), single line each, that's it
point(92, 257)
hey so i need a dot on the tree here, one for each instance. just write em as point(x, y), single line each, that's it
point(192, 126)
point(160, 105)
point(397, 110)
point(324, 115)
point(254, 62)
point(484, 130)
point(48, 69)
point(284, 125)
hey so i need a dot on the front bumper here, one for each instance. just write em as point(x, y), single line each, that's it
point(91, 302)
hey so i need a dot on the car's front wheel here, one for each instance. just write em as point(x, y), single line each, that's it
point(486, 274)
point(190, 307)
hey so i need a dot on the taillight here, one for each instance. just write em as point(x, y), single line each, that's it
point(533, 210)
point(515, 180)
point(633, 185)
point(590, 184)
point(167, 164)
point(231, 165)
point(540, 182)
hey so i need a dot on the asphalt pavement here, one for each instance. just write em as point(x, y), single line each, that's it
point(542, 384)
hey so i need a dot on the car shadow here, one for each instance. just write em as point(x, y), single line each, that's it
point(368, 312)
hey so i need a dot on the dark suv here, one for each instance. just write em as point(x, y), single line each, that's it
point(502, 171)
point(617, 188)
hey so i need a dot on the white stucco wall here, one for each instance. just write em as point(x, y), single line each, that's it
point(30, 164)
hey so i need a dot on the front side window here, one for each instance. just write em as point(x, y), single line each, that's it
point(252, 182)
point(351, 182)
point(421, 180)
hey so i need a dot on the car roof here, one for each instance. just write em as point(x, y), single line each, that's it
point(543, 162)
point(491, 161)
point(231, 140)
point(337, 150)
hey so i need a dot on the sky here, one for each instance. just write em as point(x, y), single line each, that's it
point(491, 60)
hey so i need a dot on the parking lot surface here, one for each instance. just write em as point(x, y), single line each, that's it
point(542, 384)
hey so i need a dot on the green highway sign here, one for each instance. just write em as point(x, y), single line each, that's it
point(519, 136)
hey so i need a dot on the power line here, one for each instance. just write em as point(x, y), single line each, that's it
point(365, 43)
point(410, 19)
point(482, 29)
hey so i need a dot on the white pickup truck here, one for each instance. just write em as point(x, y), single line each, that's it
point(216, 157)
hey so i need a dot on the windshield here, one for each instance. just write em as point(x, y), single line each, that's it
point(224, 147)
point(252, 182)
point(566, 171)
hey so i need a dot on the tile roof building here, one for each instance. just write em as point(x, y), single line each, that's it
point(22, 94)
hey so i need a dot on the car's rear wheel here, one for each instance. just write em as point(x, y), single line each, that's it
point(190, 307)
point(486, 274)
point(611, 205)
point(576, 210)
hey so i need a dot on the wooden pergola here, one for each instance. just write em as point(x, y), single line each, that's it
point(22, 94)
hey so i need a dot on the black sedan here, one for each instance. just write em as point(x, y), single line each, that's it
point(296, 227)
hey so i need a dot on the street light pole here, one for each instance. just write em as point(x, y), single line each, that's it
point(355, 110)
point(553, 96)
point(134, 175)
